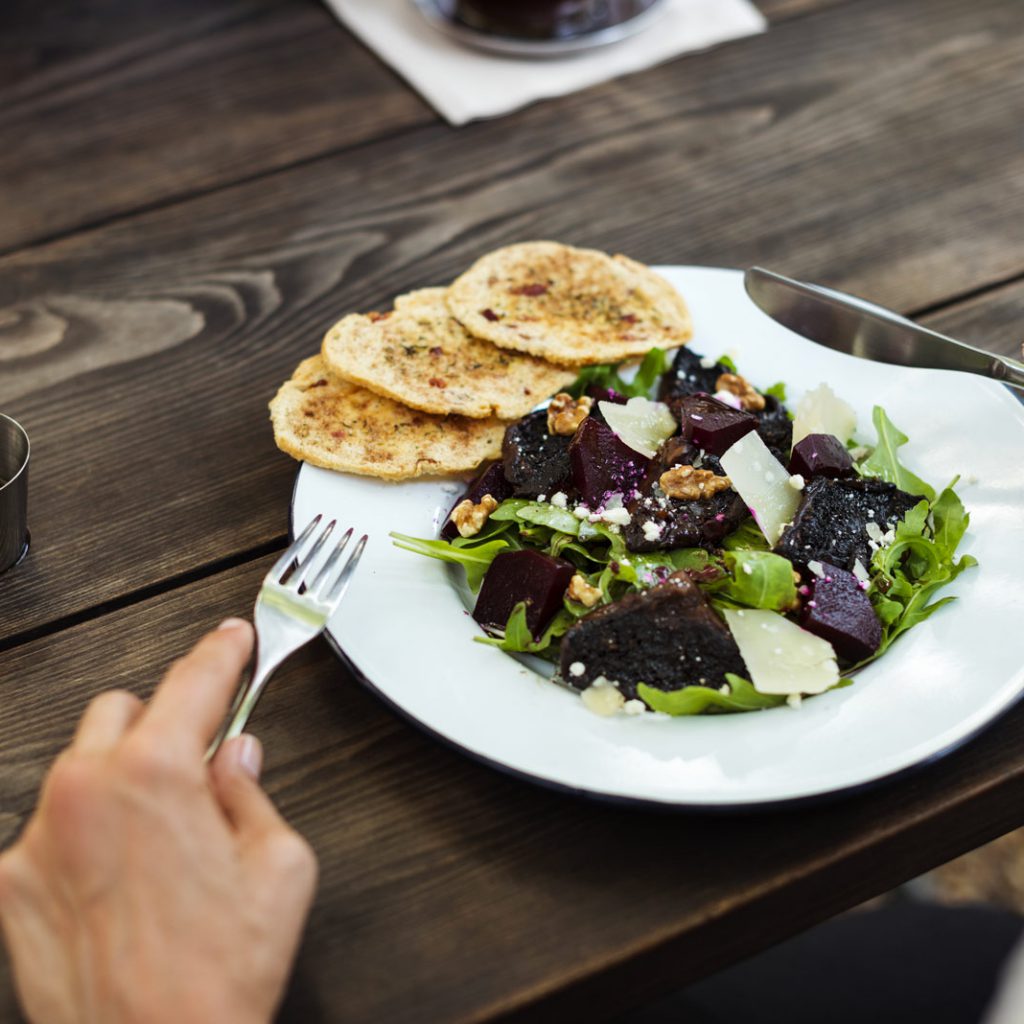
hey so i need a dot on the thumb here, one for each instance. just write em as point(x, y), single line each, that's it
point(235, 773)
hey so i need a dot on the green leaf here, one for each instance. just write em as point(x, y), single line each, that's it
point(605, 375)
point(759, 579)
point(475, 560)
point(539, 513)
point(884, 461)
point(950, 519)
point(777, 390)
point(747, 537)
point(519, 639)
point(728, 363)
point(697, 700)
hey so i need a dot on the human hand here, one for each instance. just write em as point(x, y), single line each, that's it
point(148, 886)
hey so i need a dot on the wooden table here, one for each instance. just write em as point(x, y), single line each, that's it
point(191, 191)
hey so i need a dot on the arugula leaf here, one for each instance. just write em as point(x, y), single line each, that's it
point(728, 363)
point(746, 537)
point(759, 579)
point(475, 560)
point(951, 521)
point(697, 700)
point(777, 390)
point(606, 375)
point(538, 512)
point(884, 461)
point(518, 637)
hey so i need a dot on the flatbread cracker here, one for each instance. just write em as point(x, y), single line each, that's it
point(570, 306)
point(331, 423)
point(420, 355)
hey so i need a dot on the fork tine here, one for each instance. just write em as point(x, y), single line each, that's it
point(321, 577)
point(300, 570)
point(278, 568)
point(337, 591)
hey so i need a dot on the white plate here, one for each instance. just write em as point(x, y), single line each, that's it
point(405, 630)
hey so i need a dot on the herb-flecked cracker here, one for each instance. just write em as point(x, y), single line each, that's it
point(571, 306)
point(337, 425)
point(420, 355)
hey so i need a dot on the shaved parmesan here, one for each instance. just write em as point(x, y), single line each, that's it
point(640, 423)
point(821, 411)
point(763, 483)
point(781, 657)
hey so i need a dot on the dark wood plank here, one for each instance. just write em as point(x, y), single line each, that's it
point(113, 105)
point(179, 97)
point(141, 356)
point(991, 321)
point(450, 892)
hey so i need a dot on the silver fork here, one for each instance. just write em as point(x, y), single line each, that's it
point(288, 615)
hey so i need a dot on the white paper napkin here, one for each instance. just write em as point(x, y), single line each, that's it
point(464, 84)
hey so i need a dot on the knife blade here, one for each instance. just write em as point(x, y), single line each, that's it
point(860, 328)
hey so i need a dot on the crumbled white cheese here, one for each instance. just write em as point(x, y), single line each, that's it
point(577, 668)
point(541, 497)
point(874, 531)
point(653, 530)
point(971, 479)
point(729, 398)
point(794, 700)
point(558, 499)
point(634, 707)
point(706, 362)
point(581, 512)
point(602, 697)
point(796, 481)
point(616, 516)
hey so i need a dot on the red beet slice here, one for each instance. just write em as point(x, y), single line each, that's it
point(606, 395)
point(711, 424)
point(526, 575)
point(491, 481)
point(821, 455)
point(839, 611)
point(602, 465)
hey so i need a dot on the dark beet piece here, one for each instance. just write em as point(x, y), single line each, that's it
point(686, 376)
point(603, 465)
point(839, 611)
point(775, 427)
point(711, 424)
point(491, 481)
point(606, 395)
point(526, 575)
point(535, 462)
point(821, 455)
point(684, 524)
point(829, 526)
point(667, 637)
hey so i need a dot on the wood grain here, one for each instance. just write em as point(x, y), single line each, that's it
point(141, 355)
point(182, 97)
point(450, 892)
point(114, 105)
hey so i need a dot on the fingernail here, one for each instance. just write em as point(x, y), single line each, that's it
point(249, 753)
point(232, 623)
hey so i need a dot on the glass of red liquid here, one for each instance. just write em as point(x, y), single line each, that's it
point(550, 22)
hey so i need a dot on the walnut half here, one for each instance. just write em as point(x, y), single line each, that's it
point(692, 484)
point(580, 590)
point(469, 519)
point(750, 398)
point(566, 413)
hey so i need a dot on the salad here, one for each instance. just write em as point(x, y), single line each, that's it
point(682, 543)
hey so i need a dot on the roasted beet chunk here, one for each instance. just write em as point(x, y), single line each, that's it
point(839, 611)
point(711, 424)
point(687, 376)
point(526, 575)
point(605, 395)
point(667, 637)
point(821, 455)
point(659, 523)
point(829, 526)
point(491, 481)
point(602, 465)
point(775, 427)
point(535, 461)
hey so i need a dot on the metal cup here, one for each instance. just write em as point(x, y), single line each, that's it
point(14, 453)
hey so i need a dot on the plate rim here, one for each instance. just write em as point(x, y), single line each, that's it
point(710, 807)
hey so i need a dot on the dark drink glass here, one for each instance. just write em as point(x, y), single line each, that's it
point(545, 20)
point(14, 452)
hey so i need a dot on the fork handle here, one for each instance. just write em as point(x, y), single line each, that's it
point(244, 703)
